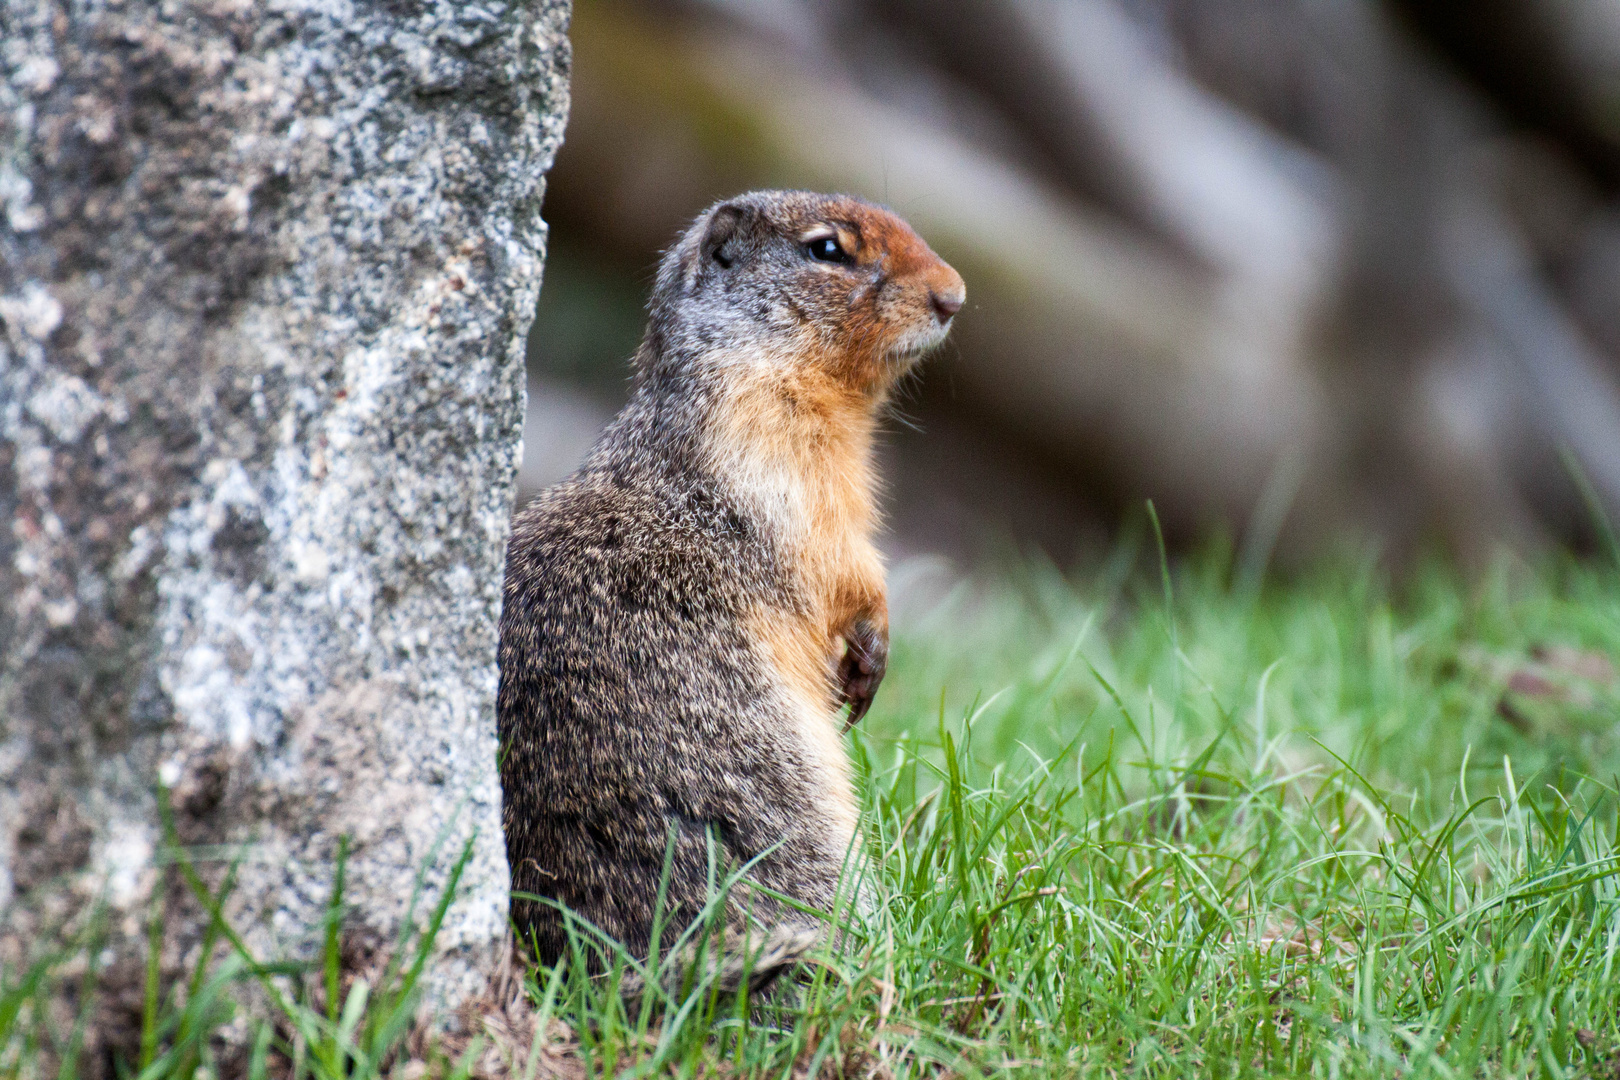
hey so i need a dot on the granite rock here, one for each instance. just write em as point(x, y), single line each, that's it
point(266, 272)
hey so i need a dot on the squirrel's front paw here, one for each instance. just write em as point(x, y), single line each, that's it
point(866, 656)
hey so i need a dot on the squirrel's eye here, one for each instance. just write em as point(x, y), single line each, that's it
point(826, 249)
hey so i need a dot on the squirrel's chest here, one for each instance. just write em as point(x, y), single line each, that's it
point(820, 530)
point(831, 575)
point(801, 469)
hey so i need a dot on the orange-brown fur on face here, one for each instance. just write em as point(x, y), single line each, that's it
point(882, 313)
point(685, 615)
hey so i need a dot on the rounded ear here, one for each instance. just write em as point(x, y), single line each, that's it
point(724, 226)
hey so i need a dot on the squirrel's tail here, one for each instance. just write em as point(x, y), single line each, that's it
point(744, 964)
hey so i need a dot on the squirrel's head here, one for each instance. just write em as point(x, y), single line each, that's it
point(826, 279)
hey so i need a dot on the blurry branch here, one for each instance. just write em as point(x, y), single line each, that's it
point(1244, 199)
point(1553, 63)
point(1572, 388)
point(1456, 164)
point(1556, 62)
point(1258, 210)
point(1085, 78)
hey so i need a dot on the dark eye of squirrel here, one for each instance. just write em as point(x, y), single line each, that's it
point(826, 249)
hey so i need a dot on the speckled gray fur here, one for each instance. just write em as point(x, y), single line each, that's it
point(266, 271)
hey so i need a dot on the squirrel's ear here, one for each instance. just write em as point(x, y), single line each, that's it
point(724, 225)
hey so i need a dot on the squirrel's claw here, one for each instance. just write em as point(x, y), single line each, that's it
point(866, 657)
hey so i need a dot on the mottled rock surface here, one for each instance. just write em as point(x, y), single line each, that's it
point(266, 271)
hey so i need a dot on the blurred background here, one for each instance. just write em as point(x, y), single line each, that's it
point(1303, 272)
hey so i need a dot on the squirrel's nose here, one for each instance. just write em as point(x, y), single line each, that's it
point(946, 304)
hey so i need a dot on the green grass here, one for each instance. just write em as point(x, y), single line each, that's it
point(1137, 824)
point(316, 1028)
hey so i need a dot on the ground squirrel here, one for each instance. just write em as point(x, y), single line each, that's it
point(687, 616)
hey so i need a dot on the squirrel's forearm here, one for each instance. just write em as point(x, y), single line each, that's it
point(862, 639)
point(862, 595)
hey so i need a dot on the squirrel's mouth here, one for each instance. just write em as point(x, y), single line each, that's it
point(918, 341)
